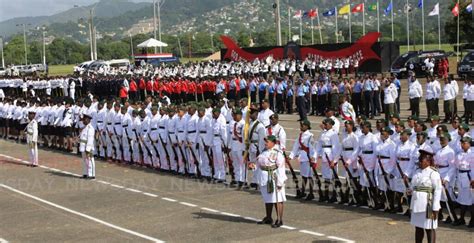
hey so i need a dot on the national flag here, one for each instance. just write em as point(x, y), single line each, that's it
point(297, 15)
point(330, 12)
point(306, 14)
point(407, 8)
point(358, 8)
point(373, 7)
point(435, 10)
point(420, 3)
point(345, 9)
point(313, 13)
point(469, 8)
point(388, 9)
point(455, 10)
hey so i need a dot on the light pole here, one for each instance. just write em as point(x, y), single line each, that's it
point(131, 45)
point(44, 50)
point(1, 47)
point(91, 29)
point(24, 41)
point(159, 3)
point(276, 6)
point(154, 21)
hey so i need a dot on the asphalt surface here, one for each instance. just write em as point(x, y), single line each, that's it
point(124, 204)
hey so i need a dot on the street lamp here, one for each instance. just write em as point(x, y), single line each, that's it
point(157, 5)
point(24, 41)
point(44, 49)
point(91, 29)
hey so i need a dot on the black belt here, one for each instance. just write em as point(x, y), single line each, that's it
point(125, 126)
point(202, 131)
point(134, 130)
point(153, 129)
point(404, 159)
point(442, 166)
point(227, 122)
point(170, 132)
point(464, 171)
point(180, 131)
point(192, 131)
point(368, 152)
point(327, 146)
point(109, 123)
point(348, 149)
point(118, 123)
point(99, 121)
point(217, 135)
point(384, 157)
point(161, 127)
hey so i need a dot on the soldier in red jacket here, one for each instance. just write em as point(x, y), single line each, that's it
point(156, 87)
point(123, 94)
point(142, 87)
point(149, 87)
point(200, 90)
point(191, 90)
point(133, 92)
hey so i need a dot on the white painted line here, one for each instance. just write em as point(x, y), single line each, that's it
point(83, 215)
point(230, 214)
point(117, 186)
point(251, 219)
point(150, 194)
point(169, 199)
point(103, 182)
point(55, 170)
point(133, 190)
point(3, 240)
point(287, 227)
point(210, 210)
point(188, 204)
point(340, 239)
point(311, 233)
point(44, 167)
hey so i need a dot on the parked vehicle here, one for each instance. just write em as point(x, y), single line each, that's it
point(466, 65)
point(413, 61)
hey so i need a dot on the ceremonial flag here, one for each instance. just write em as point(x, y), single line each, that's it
point(305, 14)
point(373, 7)
point(407, 8)
point(358, 8)
point(388, 9)
point(469, 8)
point(330, 12)
point(420, 3)
point(345, 9)
point(435, 10)
point(312, 13)
point(455, 10)
point(297, 15)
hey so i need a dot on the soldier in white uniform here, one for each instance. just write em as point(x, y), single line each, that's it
point(126, 124)
point(271, 179)
point(181, 122)
point(367, 144)
point(265, 113)
point(256, 142)
point(386, 159)
point(136, 124)
point(162, 138)
point(444, 162)
point(203, 142)
point(237, 146)
point(87, 147)
point(109, 120)
point(32, 138)
point(101, 129)
point(171, 140)
point(278, 131)
point(404, 168)
point(426, 192)
point(328, 152)
point(303, 149)
point(463, 171)
point(117, 131)
point(219, 136)
point(191, 141)
point(350, 152)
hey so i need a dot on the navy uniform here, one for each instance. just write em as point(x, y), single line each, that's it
point(237, 146)
point(87, 147)
point(32, 138)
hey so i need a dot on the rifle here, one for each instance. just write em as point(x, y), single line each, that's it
point(370, 192)
point(211, 163)
point(387, 182)
point(129, 145)
point(174, 153)
point(293, 174)
point(140, 149)
point(196, 162)
point(337, 181)
point(448, 197)
point(112, 142)
point(229, 162)
point(315, 172)
point(119, 142)
point(154, 148)
point(184, 160)
point(404, 182)
point(166, 151)
point(351, 179)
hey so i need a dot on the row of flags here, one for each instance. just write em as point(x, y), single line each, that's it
point(346, 9)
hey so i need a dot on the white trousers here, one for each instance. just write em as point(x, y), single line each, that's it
point(33, 152)
point(88, 165)
point(239, 165)
point(218, 158)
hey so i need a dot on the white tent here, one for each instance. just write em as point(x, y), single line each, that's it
point(152, 43)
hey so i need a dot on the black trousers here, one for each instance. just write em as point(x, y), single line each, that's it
point(261, 96)
point(322, 103)
point(415, 106)
point(301, 106)
point(368, 104)
point(357, 103)
point(289, 104)
point(314, 104)
point(279, 103)
point(253, 96)
point(271, 99)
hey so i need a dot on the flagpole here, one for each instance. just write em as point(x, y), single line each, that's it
point(408, 25)
point(391, 11)
point(337, 36)
point(350, 24)
point(289, 22)
point(457, 49)
point(363, 19)
point(423, 22)
point(319, 27)
point(439, 29)
point(378, 17)
point(312, 31)
point(301, 30)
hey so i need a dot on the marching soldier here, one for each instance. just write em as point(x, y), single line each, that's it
point(136, 124)
point(350, 152)
point(385, 151)
point(126, 125)
point(237, 147)
point(278, 131)
point(367, 144)
point(101, 129)
point(463, 171)
point(117, 131)
point(203, 126)
point(271, 179)
point(143, 140)
point(191, 141)
point(328, 151)
point(256, 141)
point(426, 190)
point(86, 147)
point(181, 121)
point(152, 136)
point(162, 140)
point(219, 136)
point(303, 149)
point(32, 138)
point(171, 140)
point(404, 168)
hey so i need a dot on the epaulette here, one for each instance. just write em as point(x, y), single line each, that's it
point(434, 168)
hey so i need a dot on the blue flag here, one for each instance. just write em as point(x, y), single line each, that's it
point(388, 9)
point(420, 3)
point(330, 12)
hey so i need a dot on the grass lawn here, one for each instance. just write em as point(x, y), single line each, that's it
point(59, 70)
point(428, 47)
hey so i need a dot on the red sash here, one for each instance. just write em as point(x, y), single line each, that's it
point(302, 146)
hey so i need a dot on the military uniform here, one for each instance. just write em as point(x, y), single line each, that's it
point(86, 147)
point(32, 140)
point(237, 147)
point(271, 164)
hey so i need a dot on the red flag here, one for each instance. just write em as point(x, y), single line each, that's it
point(312, 13)
point(358, 8)
point(455, 10)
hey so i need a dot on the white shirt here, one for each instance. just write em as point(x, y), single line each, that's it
point(449, 92)
point(425, 178)
point(391, 94)
point(415, 90)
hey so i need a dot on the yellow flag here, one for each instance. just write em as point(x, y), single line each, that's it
point(345, 9)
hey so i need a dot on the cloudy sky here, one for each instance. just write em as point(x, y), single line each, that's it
point(24, 8)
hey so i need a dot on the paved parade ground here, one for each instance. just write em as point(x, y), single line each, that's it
point(52, 203)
